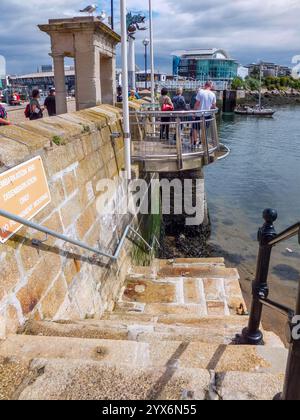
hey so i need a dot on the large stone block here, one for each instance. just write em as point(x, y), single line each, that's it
point(11, 152)
point(54, 299)
point(70, 182)
point(31, 254)
point(9, 274)
point(86, 221)
point(39, 281)
point(71, 211)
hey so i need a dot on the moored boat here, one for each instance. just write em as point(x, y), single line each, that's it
point(255, 111)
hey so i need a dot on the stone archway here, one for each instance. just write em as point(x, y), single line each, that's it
point(92, 44)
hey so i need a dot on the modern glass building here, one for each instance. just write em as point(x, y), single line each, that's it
point(202, 65)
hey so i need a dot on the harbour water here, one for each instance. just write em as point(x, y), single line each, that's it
point(263, 170)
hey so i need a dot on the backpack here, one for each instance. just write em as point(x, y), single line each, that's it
point(179, 103)
point(27, 111)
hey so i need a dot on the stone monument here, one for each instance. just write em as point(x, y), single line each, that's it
point(92, 44)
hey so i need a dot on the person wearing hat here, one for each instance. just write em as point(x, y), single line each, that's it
point(50, 103)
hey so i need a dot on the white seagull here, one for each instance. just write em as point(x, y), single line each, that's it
point(91, 9)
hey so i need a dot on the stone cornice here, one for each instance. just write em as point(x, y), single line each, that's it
point(80, 24)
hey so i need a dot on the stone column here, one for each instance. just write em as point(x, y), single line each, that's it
point(60, 83)
point(108, 79)
point(87, 67)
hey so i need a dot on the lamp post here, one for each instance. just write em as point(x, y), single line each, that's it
point(126, 121)
point(146, 43)
point(151, 52)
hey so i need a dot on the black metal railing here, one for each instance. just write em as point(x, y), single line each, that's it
point(252, 335)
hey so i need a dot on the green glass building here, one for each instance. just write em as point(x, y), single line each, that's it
point(202, 65)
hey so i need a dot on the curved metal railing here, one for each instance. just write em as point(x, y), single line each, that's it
point(252, 335)
point(174, 135)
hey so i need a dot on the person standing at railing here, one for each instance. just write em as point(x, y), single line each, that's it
point(179, 100)
point(206, 100)
point(166, 106)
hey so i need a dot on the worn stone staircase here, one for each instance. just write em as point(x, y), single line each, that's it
point(171, 336)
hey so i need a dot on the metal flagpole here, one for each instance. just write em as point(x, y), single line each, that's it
point(126, 123)
point(152, 53)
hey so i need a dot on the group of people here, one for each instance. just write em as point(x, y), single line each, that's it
point(34, 110)
point(203, 100)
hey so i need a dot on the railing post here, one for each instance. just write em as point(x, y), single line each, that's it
point(215, 133)
point(291, 391)
point(204, 141)
point(179, 143)
point(260, 290)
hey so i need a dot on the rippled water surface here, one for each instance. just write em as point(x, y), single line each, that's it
point(263, 170)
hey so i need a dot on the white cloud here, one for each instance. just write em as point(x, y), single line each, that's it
point(248, 29)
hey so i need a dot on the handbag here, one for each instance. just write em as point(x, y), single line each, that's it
point(167, 107)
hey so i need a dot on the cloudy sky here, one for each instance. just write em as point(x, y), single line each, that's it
point(248, 29)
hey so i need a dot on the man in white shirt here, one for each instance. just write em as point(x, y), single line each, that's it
point(205, 101)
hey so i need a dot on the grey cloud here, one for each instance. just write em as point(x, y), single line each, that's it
point(248, 29)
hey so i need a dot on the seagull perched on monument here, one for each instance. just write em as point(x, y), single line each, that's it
point(91, 9)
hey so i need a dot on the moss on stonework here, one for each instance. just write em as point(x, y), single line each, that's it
point(149, 228)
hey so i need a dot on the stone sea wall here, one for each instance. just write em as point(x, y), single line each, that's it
point(54, 280)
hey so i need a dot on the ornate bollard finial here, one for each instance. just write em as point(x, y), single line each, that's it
point(270, 216)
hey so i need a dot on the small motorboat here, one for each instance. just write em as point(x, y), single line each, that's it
point(256, 111)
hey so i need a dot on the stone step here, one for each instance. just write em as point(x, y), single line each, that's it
point(214, 296)
point(61, 379)
point(157, 265)
point(219, 331)
point(176, 354)
point(190, 261)
point(75, 380)
point(243, 386)
point(209, 271)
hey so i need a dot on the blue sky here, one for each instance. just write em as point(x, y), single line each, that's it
point(248, 29)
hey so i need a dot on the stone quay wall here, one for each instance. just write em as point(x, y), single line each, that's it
point(54, 280)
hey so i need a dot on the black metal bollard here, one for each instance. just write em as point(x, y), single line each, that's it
point(291, 391)
point(260, 290)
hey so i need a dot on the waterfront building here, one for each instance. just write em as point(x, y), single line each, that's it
point(2, 71)
point(42, 80)
point(140, 77)
point(205, 64)
point(269, 70)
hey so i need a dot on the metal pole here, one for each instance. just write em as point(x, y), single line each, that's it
point(57, 235)
point(112, 15)
point(291, 391)
point(151, 52)
point(126, 121)
point(260, 290)
point(146, 68)
point(131, 63)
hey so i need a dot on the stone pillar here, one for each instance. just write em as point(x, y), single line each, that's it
point(180, 239)
point(60, 83)
point(87, 68)
point(108, 79)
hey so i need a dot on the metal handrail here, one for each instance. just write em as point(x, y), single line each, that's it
point(252, 335)
point(150, 143)
point(286, 234)
point(75, 242)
